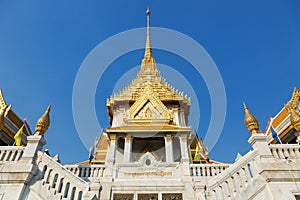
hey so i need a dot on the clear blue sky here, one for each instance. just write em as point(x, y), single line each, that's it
point(255, 44)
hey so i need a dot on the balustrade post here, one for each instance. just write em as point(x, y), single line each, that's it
point(259, 142)
point(34, 144)
point(292, 153)
point(274, 153)
point(297, 152)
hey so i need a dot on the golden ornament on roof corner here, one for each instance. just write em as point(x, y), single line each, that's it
point(2, 114)
point(43, 123)
point(295, 119)
point(250, 121)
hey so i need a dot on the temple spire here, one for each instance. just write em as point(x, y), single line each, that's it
point(148, 50)
point(148, 61)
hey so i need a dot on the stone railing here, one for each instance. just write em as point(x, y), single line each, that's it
point(10, 153)
point(285, 151)
point(58, 182)
point(235, 178)
point(86, 171)
point(207, 169)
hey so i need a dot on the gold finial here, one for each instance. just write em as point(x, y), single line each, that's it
point(250, 121)
point(148, 59)
point(43, 123)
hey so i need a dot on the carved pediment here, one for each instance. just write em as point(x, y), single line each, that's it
point(148, 107)
point(149, 112)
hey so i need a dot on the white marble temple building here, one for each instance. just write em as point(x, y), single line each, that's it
point(150, 153)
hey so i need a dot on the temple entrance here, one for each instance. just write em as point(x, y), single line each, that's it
point(155, 146)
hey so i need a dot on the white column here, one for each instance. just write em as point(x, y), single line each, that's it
point(182, 118)
point(184, 154)
point(110, 156)
point(169, 147)
point(184, 148)
point(127, 148)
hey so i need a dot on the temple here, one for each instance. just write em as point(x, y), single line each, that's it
point(150, 152)
point(285, 122)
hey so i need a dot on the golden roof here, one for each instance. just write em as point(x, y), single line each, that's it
point(6, 111)
point(292, 104)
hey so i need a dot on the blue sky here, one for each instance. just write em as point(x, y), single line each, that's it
point(255, 45)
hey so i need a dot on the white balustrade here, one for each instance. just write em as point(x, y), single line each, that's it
point(234, 178)
point(10, 153)
point(285, 151)
point(87, 171)
point(59, 180)
point(207, 169)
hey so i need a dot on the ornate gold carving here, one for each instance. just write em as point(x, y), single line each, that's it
point(294, 117)
point(43, 123)
point(3, 112)
point(2, 118)
point(150, 100)
point(250, 121)
point(295, 99)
